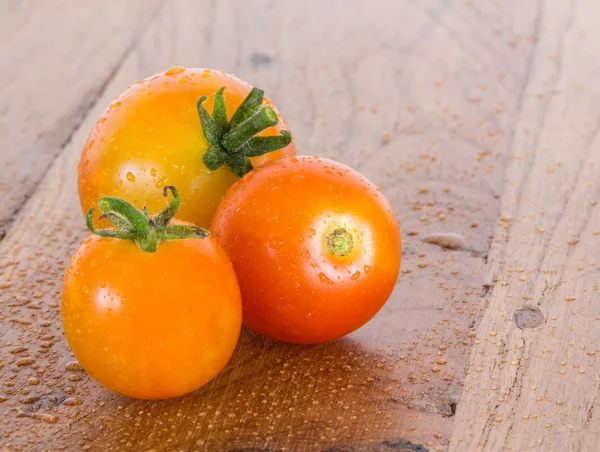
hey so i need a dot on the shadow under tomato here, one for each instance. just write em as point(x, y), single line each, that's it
point(273, 391)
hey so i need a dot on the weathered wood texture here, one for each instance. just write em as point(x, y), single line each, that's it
point(538, 388)
point(429, 99)
point(55, 58)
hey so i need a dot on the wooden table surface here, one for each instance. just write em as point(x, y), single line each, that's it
point(475, 117)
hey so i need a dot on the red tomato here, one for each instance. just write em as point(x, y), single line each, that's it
point(315, 245)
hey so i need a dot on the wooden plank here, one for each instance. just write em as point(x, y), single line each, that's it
point(57, 57)
point(414, 94)
point(536, 387)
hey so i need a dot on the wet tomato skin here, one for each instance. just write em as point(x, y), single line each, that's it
point(151, 325)
point(277, 224)
point(150, 136)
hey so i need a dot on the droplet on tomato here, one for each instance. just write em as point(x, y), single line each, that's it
point(130, 176)
point(323, 278)
point(174, 70)
point(298, 179)
point(276, 243)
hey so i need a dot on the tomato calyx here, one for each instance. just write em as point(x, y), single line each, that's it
point(138, 226)
point(340, 242)
point(233, 142)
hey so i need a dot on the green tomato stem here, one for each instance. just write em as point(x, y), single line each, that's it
point(125, 210)
point(163, 218)
point(136, 225)
point(242, 133)
point(249, 107)
point(231, 143)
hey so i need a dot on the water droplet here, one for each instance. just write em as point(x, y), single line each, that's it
point(73, 366)
point(50, 418)
point(276, 243)
point(355, 275)
point(323, 278)
point(153, 172)
point(297, 179)
point(24, 362)
point(174, 70)
point(130, 176)
point(367, 269)
point(72, 401)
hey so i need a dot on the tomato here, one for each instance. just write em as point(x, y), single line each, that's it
point(315, 245)
point(151, 324)
point(151, 136)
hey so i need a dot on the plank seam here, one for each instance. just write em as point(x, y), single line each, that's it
point(90, 99)
point(488, 292)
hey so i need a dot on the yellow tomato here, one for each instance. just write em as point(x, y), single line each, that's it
point(151, 136)
point(151, 307)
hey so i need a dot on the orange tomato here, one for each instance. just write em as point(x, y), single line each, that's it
point(151, 136)
point(315, 246)
point(152, 325)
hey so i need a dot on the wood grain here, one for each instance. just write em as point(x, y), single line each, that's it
point(536, 388)
point(56, 57)
point(428, 99)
